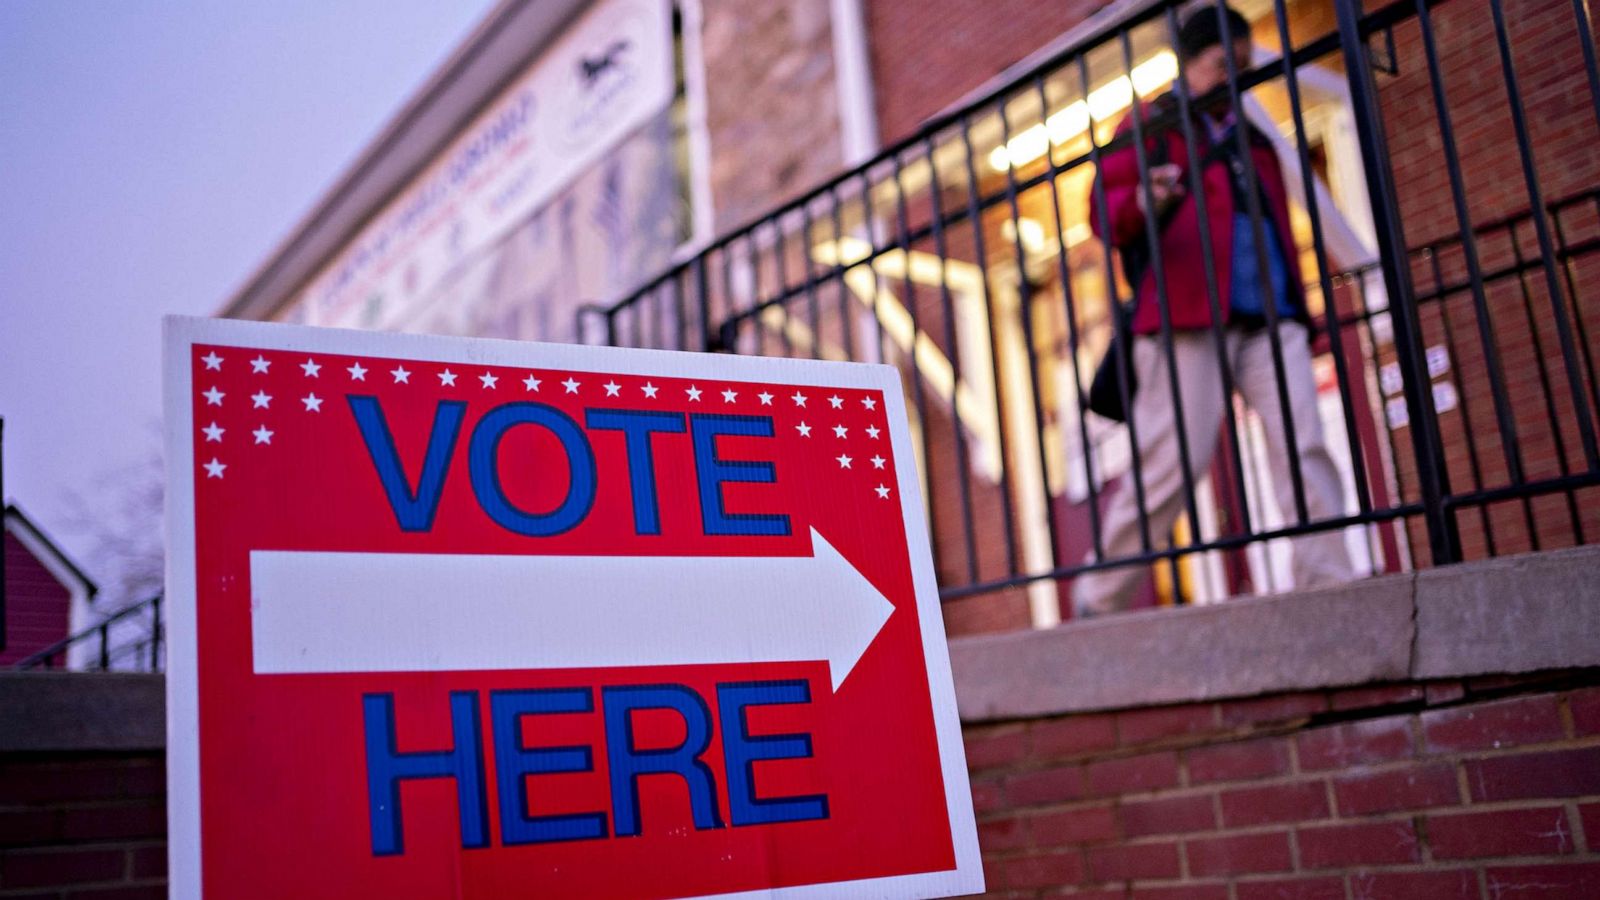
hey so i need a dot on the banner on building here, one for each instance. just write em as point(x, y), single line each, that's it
point(608, 74)
point(475, 618)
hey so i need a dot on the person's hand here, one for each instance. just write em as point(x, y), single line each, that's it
point(1165, 185)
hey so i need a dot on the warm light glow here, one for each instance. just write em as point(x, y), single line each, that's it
point(1155, 73)
point(873, 284)
point(1074, 119)
point(1029, 232)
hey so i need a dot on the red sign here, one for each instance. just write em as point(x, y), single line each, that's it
point(487, 619)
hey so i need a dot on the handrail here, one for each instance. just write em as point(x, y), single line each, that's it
point(1453, 312)
point(1372, 22)
point(102, 629)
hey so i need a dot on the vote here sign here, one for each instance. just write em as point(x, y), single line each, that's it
point(488, 619)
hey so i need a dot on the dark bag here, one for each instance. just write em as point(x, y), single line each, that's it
point(1105, 394)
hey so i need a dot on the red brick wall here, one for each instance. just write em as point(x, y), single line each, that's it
point(1485, 789)
point(83, 826)
point(1519, 319)
point(37, 605)
point(1554, 92)
point(927, 54)
point(772, 116)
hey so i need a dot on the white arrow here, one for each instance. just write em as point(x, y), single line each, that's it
point(315, 612)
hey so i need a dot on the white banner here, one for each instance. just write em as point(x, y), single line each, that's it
point(608, 74)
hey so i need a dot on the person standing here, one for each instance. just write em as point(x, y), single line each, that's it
point(1255, 267)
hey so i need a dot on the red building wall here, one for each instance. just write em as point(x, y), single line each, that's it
point(927, 54)
point(1488, 788)
point(37, 606)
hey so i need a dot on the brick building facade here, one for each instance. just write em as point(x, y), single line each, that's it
point(82, 786)
point(1431, 789)
point(1395, 755)
point(768, 102)
point(1389, 741)
point(962, 256)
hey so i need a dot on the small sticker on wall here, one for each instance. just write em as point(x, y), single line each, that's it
point(1438, 360)
point(1390, 380)
point(1444, 396)
point(1398, 415)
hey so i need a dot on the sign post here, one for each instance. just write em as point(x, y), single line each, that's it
point(473, 618)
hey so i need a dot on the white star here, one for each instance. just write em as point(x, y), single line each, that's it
point(571, 384)
point(844, 461)
point(872, 432)
point(694, 393)
point(260, 400)
point(869, 403)
point(212, 361)
point(765, 398)
point(883, 492)
point(447, 378)
point(836, 401)
point(877, 462)
point(531, 383)
point(313, 403)
point(358, 372)
point(259, 365)
point(401, 376)
point(650, 390)
point(611, 388)
point(799, 399)
point(804, 429)
point(311, 368)
point(728, 396)
point(214, 432)
point(489, 381)
point(214, 397)
point(214, 468)
point(840, 431)
point(263, 435)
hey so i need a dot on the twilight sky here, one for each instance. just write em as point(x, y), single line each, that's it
point(152, 152)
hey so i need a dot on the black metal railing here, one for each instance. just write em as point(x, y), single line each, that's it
point(1455, 375)
point(140, 653)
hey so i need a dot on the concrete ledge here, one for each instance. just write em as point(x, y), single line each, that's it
point(49, 711)
point(1514, 614)
point(1509, 615)
point(1349, 635)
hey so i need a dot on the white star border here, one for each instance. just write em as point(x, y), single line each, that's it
point(851, 417)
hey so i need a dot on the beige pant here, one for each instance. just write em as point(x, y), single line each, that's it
point(1319, 558)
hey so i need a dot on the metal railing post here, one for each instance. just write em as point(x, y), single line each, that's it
point(1443, 538)
point(2, 534)
point(155, 634)
point(611, 328)
point(702, 299)
point(102, 630)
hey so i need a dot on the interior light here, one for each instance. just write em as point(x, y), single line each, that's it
point(1074, 119)
point(1110, 99)
point(1028, 231)
point(1155, 73)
